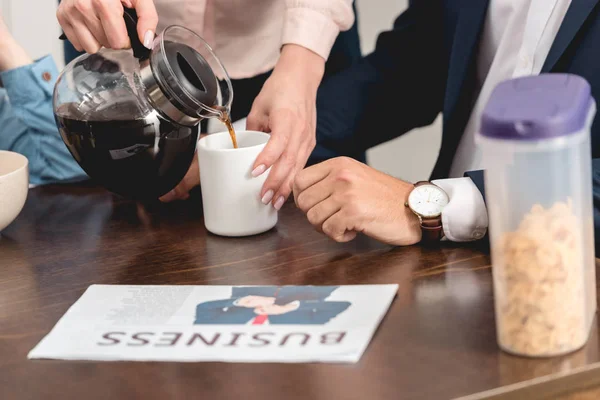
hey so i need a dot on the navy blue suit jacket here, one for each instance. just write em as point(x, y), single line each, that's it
point(313, 308)
point(426, 66)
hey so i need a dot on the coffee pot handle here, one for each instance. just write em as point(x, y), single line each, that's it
point(139, 50)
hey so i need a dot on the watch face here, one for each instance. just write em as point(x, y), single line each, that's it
point(428, 201)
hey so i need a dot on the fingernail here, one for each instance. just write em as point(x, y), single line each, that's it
point(148, 39)
point(267, 197)
point(259, 170)
point(168, 197)
point(279, 203)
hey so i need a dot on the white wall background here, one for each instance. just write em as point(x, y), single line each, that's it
point(410, 157)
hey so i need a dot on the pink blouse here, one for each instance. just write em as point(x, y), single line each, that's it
point(247, 35)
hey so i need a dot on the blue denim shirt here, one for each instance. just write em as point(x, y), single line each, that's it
point(27, 123)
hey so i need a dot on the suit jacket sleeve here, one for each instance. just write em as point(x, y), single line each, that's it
point(304, 293)
point(330, 310)
point(320, 313)
point(398, 87)
point(210, 311)
point(477, 178)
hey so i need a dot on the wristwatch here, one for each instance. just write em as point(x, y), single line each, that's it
point(427, 201)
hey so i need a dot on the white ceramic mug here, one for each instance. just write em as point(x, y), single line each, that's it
point(14, 186)
point(230, 194)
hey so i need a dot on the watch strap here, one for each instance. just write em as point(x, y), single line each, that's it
point(432, 230)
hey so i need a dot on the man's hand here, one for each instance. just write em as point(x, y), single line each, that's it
point(286, 107)
point(274, 309)
point(92, 24)
point(12, 55)
point(189, 181)
point(342, 197)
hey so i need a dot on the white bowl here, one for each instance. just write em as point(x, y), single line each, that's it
point(14, 185)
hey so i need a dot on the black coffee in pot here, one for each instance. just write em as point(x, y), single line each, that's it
point(137, 158)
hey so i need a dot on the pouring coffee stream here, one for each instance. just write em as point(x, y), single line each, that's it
point(131, 117)
point(224, 118)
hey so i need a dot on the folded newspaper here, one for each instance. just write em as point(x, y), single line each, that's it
point(219, 323)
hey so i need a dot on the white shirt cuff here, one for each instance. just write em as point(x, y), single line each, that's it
point(465, 217)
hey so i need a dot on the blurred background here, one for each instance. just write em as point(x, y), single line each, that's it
point(410, 157)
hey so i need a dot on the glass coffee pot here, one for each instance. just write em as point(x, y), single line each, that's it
point(131, 117)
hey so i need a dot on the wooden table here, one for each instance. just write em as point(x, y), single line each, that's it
point(436, 342)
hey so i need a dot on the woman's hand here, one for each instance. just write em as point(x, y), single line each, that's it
point(286, 108)
point(92, 24)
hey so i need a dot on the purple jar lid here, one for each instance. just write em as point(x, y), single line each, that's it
point(537, 107)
